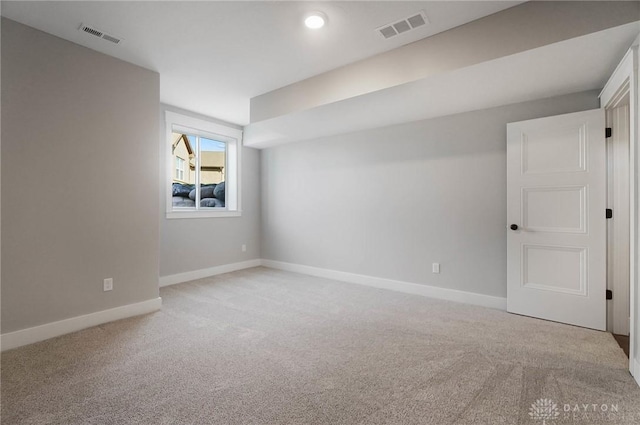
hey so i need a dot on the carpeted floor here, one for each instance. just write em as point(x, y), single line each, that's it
point(262, 346)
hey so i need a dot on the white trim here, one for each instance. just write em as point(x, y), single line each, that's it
point(27, 336)
point(499, 303)
point(202, 214)
point(626, 78)
point(617, 80)
point(211, 271)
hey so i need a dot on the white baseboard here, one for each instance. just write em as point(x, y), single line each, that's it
point(635, 372)
point(211, 271)
point(50, 330)
point(394, 285)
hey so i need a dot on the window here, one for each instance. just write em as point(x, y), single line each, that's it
point(203, 166)
point(179, 169)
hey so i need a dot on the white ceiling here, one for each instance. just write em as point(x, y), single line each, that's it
point(214, 56)
point(574, 65)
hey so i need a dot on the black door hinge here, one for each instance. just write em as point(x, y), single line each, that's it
point(609, 294)
point(607, 132)
point(609, 213)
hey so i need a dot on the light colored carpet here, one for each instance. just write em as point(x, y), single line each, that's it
point(262, 346)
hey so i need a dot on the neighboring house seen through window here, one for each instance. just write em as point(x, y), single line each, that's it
point(204, 158)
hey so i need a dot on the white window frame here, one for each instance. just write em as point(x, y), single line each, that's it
point(176, 122)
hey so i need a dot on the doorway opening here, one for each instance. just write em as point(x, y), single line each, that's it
point(618, 226)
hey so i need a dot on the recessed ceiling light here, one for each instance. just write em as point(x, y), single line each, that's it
point(315, 20)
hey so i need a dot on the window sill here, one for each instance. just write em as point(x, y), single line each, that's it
point(202, 214)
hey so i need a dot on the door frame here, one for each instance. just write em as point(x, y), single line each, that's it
point(624, 80)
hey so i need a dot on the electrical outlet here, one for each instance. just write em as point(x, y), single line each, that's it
point(244, 248)
point(107, 285)
point(435, 267)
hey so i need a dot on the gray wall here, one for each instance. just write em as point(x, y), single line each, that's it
point(200, 243)
point(391, 201)
point(80, 166)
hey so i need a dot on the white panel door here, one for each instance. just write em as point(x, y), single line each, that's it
point(556, 200)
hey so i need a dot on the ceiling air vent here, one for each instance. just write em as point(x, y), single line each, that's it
point(100, 34)
point(407, 24)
